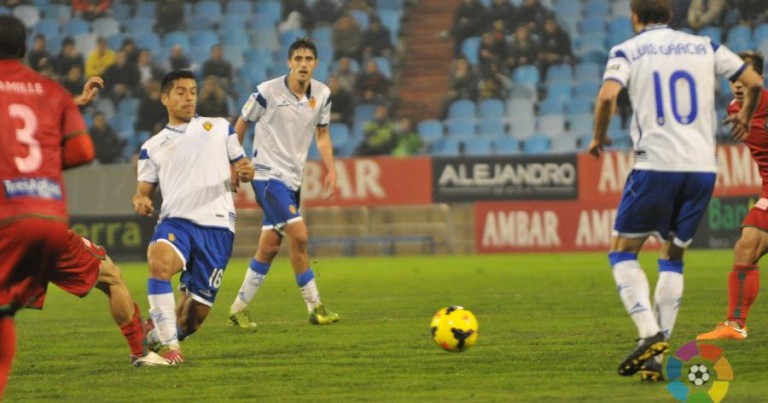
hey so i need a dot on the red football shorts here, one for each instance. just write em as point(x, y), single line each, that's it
point(34, 252)
point(757, 216)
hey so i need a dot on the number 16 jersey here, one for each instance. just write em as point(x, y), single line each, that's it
point(671, 77)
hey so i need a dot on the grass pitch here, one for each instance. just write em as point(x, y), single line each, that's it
point(552, 328)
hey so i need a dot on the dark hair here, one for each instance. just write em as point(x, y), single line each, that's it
point(171, 77)
point(652, 11)
point(67, 41)
point(13, 38)
point(756, 59)
point(302, 43)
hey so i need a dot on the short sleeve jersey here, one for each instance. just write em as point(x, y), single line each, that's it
point(671, 78)
point(36, 115)
point(191, 165)
point(757, 141)
point(285, 125)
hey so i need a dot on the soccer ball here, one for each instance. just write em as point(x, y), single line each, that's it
point(454, 328)
point(698, 374)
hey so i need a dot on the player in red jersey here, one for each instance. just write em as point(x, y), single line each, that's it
point(42, 134)
point(744, 279)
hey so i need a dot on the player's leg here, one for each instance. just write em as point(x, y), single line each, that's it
point(7, 348)
point(269, 246)
point(191, 315)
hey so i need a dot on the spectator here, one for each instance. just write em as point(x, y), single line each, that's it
point(523, 50)
point(148, 71)
point(170, 16)
point(347, 38)
point(217, 67)
point(38, 57)
point(74, 80)
point(504, 11)
point(408, 141)
point(68, 57)
point(152, 115)
point(369, 6)
point(100, 58)
point(493, 50)
point(106, 143)
point(377, 40)
point(679, 13)
point(306, 18)
point(343, 106)
point(494, 84)
point(371, 85)
point(326, 12)
point(702, 13)
point(752, 12)
point(121, 79)
point(532, 14)
point(463, 82)
point(212, 100)
point(554, 45)
point(131, 52)
point(177, 60)
point(379, 134)
point(346, 75)
point(90, 10)
point(468, 20)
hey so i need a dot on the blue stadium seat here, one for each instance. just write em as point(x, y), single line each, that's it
point(234, 55)
point(59, 12)
point(470, 48)
point(619, 30)
point(526, 75)
point(563, 143)
point(491, 127)
point(587, 71)
point(429, 130)
point(105, 26)
point(364, 112)
point(477, 146)
point(761, 33)
point(586, 89)
point(361, 17)
point(138, 25)
point(115, 41)
point(384, 66)
point(592, 47)
point(174, 38)
point(582, 142)
point(548, 107)
point(255, 72)
point(121, 11)
point(559, 73)
point(269, 11)
point(339, 132)
point(593, 24)
point(580, 123)
point(105, 106)
point(462, 109)
point(445, 147)
point(265, 38)
point(239, 7)
point(551, 125)
point(85, 43)
point(391, 20)
point(47, 27)
point(740, 33)
point(620, 7)
point(714, 33)
point(127, 107)
point(536, 144)
point(559, 92)
point(146, 9)
point(520, 108)
point(209, 9)
point(522, 127)
point(460, 127)
point(259, 55)
point(347, 148)
point(580, 105)
point(599, 8)
point(506, 145)
point(28, 14)
point(322, 34)
point(147, 40)
point(203, 39)
point(490, 108)
point(76, 26)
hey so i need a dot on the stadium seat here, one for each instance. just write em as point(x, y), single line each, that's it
point(580, 105)
point(128, 107)
point(339, 132)
point(592, 24)
point(147, 9)
point(460, 127)
point(209, 9)
point(391, 20)
point(384, 66)
point(105, 26)
point(549, 107)
point(761, 33)
point(203, 39)
point(269, 11)
point(580, 123)
point(586, 89)
point(523, 127)
point(536, 144)
point(28, 14)
point(138, 25)
point(85, 43)
point(114, 41)
point(259, 55)
point(47, 27)
point(551, 125)
point(714, 33)
point(76, 26)
point(322, 34)
point(582, 142)
point(470, 48)
point(58, 12)
point(505, 145)
point(559, 92)
point(619, 30)
point(587, 71)
point(121, 11)
point(491, 127)
point(462, 109)
point(520, 108)
point(174, 38)
point(599, 8)
point(490, 108)
point(239, 7)
point(105, 106)
point(445, 147)
point(361, 17)
point(265, 38)
point(234, 55)
point(740, 33)
point(429, 130)
point(562, 143)
point(477, 146)
point(526, 75)
point(364, 112)
point(559, 73)
point(620, 7)
point(147, 40)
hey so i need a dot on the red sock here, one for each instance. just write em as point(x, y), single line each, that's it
point(134, 333)
point(7, 349)
point(743, 286)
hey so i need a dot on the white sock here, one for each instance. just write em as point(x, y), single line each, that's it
point(635, 294)
point(254, 277)
point(163, 313)
point(310, 294)
point(666, 300)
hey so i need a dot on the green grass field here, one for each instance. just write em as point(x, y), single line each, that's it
point(552, 328)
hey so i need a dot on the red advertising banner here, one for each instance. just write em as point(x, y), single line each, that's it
point(545, 226)
point(363, 182)
point(603, 179)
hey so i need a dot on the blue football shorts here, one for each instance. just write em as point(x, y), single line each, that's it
point(279, 203)
point(205, 252)
point(663, 204)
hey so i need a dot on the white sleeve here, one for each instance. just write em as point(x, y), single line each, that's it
point(325, 113)
point(147, 171)
point(727, 63)
point(617, 68)
point(234, 149)
point(254, 107)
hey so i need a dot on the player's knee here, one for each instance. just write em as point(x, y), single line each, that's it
point(109, 273)
point(299, 242)
point(161, 267)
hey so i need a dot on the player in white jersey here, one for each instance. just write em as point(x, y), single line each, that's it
point(671, 78)
point(288, 112)
point(190, 160)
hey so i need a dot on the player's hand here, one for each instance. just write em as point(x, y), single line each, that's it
point(739, 126)
point(142, 205)
point(244, 170)
point(329, 185)
point(234, 181)
point(90, 89)
point(596, 146)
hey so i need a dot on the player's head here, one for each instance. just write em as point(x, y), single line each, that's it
point(646, 12)
point(302, 59)
point(13, 38)
point(178, 92)
point(757, 61)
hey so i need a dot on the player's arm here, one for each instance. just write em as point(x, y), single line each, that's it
point(753, 84)
point(142, 200)
point(242, 169)
point(76, 145)
point(90, 89)
point(240, 127)
point(253, 109)
point(325, 147)
point(605, 105)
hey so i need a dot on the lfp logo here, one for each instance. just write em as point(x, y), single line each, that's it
point(699, 373)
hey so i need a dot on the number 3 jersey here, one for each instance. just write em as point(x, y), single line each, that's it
point(191, 165)
point(671, 77)
point(36, 115)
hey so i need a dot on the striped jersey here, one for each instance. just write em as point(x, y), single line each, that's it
point(191, 165)
point(285, 125)
point(671, 77)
